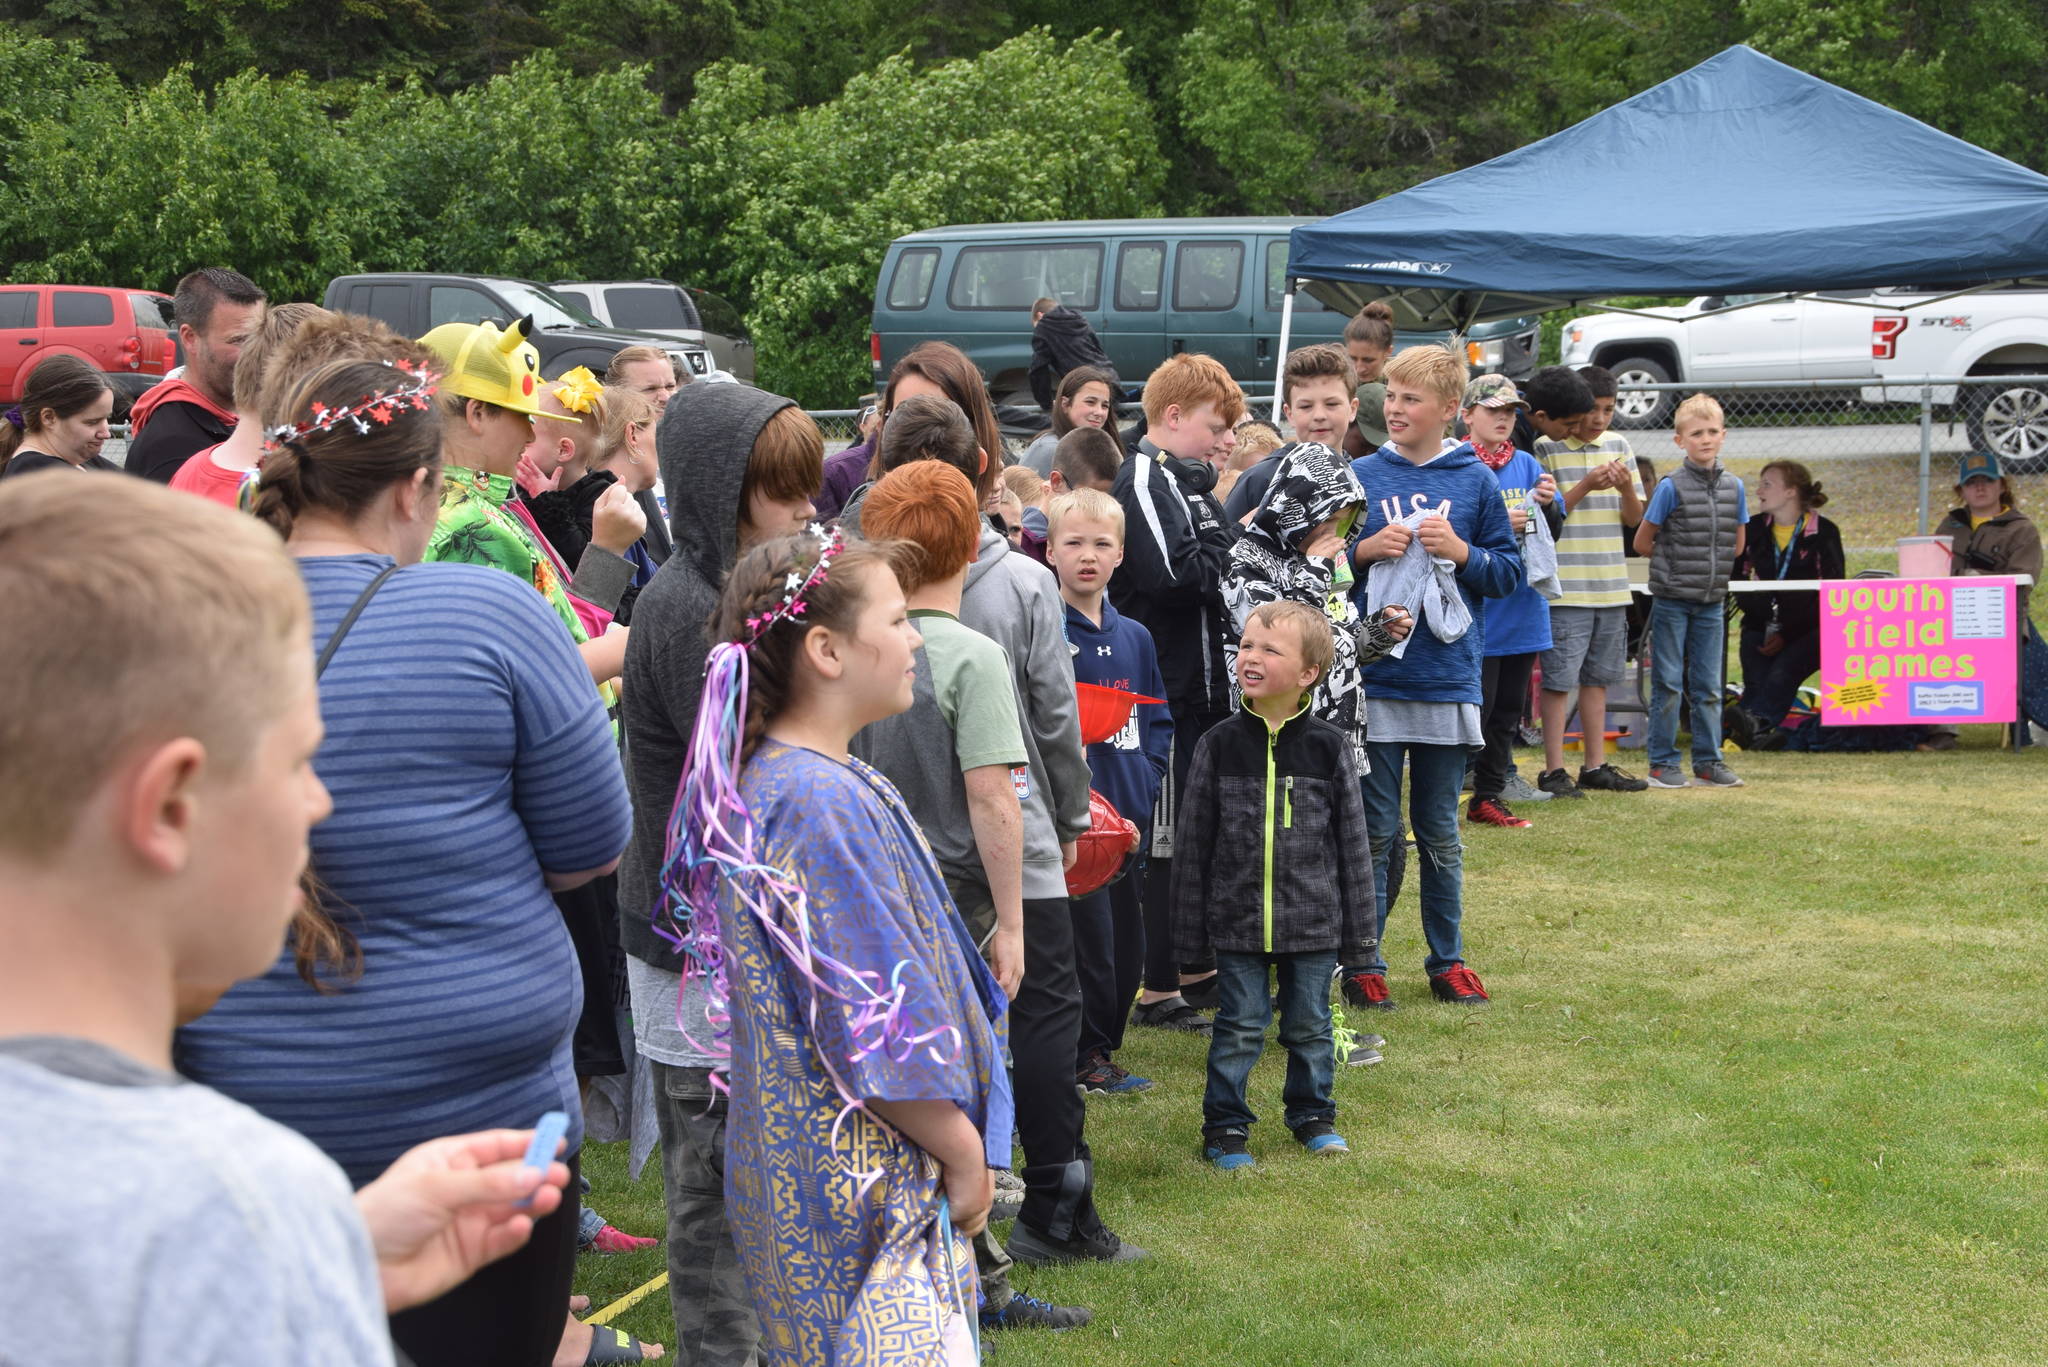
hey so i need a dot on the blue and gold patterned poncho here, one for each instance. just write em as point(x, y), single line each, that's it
point(837, 1220)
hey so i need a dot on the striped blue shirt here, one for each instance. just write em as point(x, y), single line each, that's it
point(466, 752)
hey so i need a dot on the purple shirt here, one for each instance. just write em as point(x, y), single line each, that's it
point(844, 473)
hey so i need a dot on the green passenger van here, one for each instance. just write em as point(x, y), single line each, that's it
point(1149, 288)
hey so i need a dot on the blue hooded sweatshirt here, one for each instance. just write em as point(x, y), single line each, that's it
point(1459, 484)
point(1520, 623)
point(1126, 768)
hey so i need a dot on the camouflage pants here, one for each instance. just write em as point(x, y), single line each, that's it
point(707, 1290)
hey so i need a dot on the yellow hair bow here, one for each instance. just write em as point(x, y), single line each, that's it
point(578, 389)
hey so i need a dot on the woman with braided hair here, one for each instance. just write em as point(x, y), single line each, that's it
point(868, 1097)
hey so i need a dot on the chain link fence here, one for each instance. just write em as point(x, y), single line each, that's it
point(1885, 454)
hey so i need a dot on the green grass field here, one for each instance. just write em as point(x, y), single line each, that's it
point(1762, 1083)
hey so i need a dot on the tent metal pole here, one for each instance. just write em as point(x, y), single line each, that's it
point(1926, 450)
point(1286, 335)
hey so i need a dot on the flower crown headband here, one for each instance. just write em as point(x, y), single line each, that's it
point(380, 408)
point(792, 604)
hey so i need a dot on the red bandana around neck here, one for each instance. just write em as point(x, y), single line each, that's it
point(1495, 456)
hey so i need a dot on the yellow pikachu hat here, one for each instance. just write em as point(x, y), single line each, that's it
point(494, 367)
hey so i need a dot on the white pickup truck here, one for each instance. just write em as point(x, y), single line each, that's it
point(1840, 335)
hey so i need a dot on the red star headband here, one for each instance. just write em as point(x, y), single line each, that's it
point(380, 408)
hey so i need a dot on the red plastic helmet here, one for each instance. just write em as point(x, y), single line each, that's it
point(1103, 848)
point(1104, 711)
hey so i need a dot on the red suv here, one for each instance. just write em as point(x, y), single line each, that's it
point(126, 333)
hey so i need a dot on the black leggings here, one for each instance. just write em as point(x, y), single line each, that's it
point(1505, 679)
point(1162, 966)
point(511, 1313)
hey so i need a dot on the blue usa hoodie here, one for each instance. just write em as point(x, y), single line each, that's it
point(1458, 484)
point(1126, 768)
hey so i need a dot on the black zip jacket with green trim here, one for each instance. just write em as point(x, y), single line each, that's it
point(1273, 856)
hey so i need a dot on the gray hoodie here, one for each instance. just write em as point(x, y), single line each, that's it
point(704, 442)
point(1014, 601)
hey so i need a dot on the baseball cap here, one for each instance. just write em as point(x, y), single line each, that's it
point(1494, 391)
point(491, 366)
point(1978, 465)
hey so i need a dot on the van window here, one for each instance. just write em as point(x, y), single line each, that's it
point(649, 308)
point(79, 309)
point(461, 304)
point(576, 297)
point(151, 312)
point(1207, 276)
point(911, 286)
point(1014, 278)
point(17, 308)
point(1140, 271)
point(1276, 282)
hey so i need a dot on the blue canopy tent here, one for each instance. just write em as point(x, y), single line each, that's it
point(1739, 176)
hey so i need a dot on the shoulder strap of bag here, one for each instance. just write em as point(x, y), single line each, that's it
point(349, 619)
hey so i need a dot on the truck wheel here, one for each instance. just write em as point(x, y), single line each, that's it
point(1641, 410)
point(2011, 421)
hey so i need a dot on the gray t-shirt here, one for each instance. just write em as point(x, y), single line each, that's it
point(653, 992)
point(149, 1221)
point(1412, 722)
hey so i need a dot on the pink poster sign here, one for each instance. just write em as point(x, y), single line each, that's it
point(1912, 652)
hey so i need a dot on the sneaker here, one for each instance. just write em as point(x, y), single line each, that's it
point(1608, 779)
point(1667, 776)
point(1368, 992)
point(1491, 811)
point(1519, 789)
point(612, 1239)
point(1171, 1014)
point(1029, 1312)
point(1228, 1150)
point(1558, 783)
point(1104, 1078)
point(1009, 1196)
point(1359, 1054)
point(1458, 984)
point(1033, 1249)
point(1716, 775)
point(1203, 994)
point(1320, 1136)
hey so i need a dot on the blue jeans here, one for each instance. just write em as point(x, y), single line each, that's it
point(1686, 643)
point(1244, 1005)
point(1438, 774)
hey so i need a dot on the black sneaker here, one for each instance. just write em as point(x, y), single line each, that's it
point(1228, 1150)
point(1608, 779)
point(1171, 1014)
point(1558, 783)
point(1203, 995)
point(1033, 1249)
point(1320, 1136)
point(1029, 1312)
point(1367, 992)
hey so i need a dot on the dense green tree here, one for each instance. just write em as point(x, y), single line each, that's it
point(794, 211)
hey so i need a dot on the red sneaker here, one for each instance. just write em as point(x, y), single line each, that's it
point(611, 1239)
point(1368, 992)
point(1491, 811)
point(1458, 984)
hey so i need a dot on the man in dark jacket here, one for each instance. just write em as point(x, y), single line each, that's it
point(1061, 340)
point(217, 310)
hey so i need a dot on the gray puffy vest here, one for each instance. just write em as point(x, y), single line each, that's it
point(1695, 551)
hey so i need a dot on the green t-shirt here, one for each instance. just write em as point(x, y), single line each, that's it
point(971, 684)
